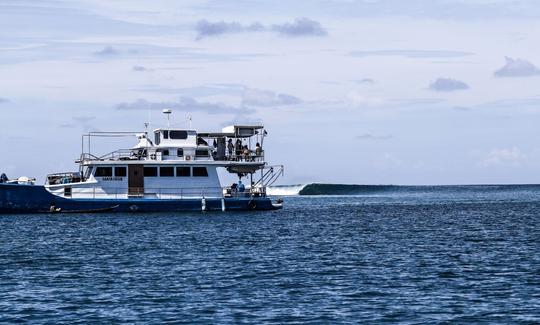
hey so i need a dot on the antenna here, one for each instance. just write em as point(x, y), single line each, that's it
point(190, 120)
point(168, 112)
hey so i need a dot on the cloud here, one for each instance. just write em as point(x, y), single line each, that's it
point(186, 104)
point(368, 136)
point(84, 119)
point(139, 68)
point(365, 81)
point(3, 100)
point(517, 68)
point(501, 157)
point(265, 98)
point(299, 27)
point(448, 84)
point(205, 28)
point(415, 54)
point(107, 51)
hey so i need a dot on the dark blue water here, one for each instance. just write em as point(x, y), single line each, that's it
point(432, 256)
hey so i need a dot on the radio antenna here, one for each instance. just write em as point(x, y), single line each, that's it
point(168, 112)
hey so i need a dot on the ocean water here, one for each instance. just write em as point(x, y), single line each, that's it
point(400, 255)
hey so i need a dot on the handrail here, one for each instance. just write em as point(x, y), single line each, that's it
point(162, 193)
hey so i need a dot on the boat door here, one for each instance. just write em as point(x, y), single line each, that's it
point(135, 180)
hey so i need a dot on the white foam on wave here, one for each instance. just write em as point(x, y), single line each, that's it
point(285, 190)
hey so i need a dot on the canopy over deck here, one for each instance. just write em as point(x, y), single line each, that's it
point(234, 131)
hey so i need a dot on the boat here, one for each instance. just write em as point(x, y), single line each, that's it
point(177, 170)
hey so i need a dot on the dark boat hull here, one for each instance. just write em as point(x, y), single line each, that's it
point(16, 198)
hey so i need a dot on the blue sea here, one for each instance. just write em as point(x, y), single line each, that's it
point(335, 255)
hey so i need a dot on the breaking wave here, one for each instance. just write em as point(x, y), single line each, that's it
point(328, 189)
point(349, 189)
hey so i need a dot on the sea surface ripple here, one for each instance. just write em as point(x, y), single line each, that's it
point(396, 258)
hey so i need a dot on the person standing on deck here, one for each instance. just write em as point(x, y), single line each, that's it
point(230, 147)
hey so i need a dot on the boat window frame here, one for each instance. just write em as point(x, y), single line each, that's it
point(148, 168)
point(161, 168)
point(200, 168)
point(123, 174)
point(178, 134)
point(98, 168)
point(184, 168)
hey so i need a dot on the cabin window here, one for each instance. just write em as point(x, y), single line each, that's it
point(157, 138)
point(67, 191)
point(166, 171)
point(178, 135)
point(165, 134)
point(201, 153)
point(180, 153)
point(88, 172)
point(183, 172)
point(200, 172)
point(150, 172)
point(166, 152)
point(120, 171)
point(103, 172)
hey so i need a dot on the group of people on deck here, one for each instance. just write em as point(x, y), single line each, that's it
point(242, 151)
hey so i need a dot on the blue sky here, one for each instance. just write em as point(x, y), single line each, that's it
point(370, 92)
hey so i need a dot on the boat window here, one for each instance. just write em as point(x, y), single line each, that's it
point(150, 171)
point(183, 172)
point(67, 191)
point(166, 171)
point(180, 153)
point(120, 171)
point(178, 135)
point(166, 152)
point(165, 134)
point(201, 153)
point(200, 171)
point(88, 172)
point(157, 138)
point(103, 172)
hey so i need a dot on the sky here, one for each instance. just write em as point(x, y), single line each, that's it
point(351, 91)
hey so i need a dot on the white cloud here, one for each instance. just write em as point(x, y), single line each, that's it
point(186, 104)
point(503, 156)
point(107, 51)
point(299, 27)
point(517, 68)
point(369, 136)
point(264, 98)
point(139, 68)
point(448, 84)
point(416, 54)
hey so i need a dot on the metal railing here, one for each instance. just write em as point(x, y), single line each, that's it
point(161, 193)
point(133, 154)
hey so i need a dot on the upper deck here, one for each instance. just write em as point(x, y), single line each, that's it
point(233, 146)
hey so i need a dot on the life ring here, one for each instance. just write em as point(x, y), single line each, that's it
point(188, 157)
point(252, 205)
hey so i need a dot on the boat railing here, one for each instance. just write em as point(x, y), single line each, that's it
point(120, 154)
point(142, 154)
point(252, 156)
point(166, 193)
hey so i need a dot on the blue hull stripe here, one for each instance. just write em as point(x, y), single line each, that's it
point(16, 198)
